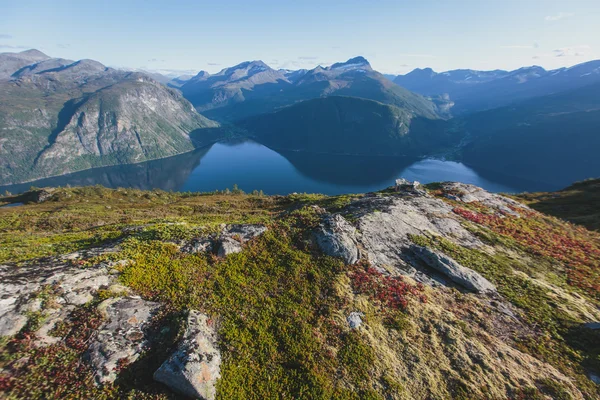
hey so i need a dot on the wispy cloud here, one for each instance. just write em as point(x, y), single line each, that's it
point(559, 16)
point(153, 60)
point(570, 51)
point(5, 36)
point(307, 58)
point(573, 51)
point(63, 46)
point(517, 46)
point(8, 46)
point(213, 64)
point(417, 55)
point(535, 45)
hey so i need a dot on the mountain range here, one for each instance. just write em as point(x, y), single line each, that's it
point(59, 116)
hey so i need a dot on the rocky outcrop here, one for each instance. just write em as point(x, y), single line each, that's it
point(233, 236)
point(194, 367)
point(61, 285)
point(467, 193)
point(338, 238)
point(386, 224)
point(228, 241)
point(463, 276)
point(122, 336)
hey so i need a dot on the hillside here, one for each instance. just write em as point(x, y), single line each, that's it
point(421, 293)
point(549, 139)
point(346, 125)
point(579, 203)
point(58, 116)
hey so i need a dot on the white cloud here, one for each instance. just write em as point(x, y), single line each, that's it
point(559, 16)
point(8, 46)
point(517, 46)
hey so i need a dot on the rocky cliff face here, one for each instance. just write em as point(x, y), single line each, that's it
point(59, 116)
point(435, 292)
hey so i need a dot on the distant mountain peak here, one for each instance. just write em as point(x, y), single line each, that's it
point(34, 53)
point(356, 62)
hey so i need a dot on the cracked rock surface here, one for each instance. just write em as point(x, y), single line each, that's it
point(194, 367)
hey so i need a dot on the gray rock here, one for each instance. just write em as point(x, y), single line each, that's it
point(463, 276)
point(228, 245)
point(233, 236)
point(355, 320)
point(70, 286)
point(338, 238)
point(198, 245)
point(470, 193)
point(194, 367)
point(121, 336)
point(386, 224)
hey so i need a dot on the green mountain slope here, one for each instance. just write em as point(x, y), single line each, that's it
point(552, 139)
point(579, 203)
point(347, 125)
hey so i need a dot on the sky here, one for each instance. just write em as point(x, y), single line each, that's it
point(396, 36)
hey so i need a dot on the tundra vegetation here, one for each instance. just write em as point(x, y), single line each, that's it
point(281, 305)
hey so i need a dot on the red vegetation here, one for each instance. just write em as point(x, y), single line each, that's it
point(393, 292)
point(572, 245)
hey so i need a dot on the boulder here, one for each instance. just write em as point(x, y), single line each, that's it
point(122, 337)
point(463, 276)
point(354, 319)
point(233, 236)
point(338, 238)
point(194, 367)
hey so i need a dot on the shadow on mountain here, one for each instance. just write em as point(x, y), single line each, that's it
point(166, 174)
point(346, 169)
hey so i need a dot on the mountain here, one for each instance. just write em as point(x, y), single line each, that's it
point(441, 291)
point(481, 90)
point(552, 139)
point(12, 62)
point(347, 125)
point(253, 88)
point(59, 116)
point(242, 82)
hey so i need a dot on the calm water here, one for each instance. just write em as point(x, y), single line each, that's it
point(255, 167)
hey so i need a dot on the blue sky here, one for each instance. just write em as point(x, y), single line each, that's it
point(395, 36)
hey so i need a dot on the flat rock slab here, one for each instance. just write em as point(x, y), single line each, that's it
point(194, 367)
point(386, 224)
point(463, 276)
point(338, 238)
point(122, 336)
point(71, 286)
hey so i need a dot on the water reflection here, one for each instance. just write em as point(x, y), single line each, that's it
point(253, 166)
point(167, 174)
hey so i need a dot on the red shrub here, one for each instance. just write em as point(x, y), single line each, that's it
point(393, 292)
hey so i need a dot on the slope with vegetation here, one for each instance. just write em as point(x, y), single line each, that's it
point(293, 322)
point(59, 116)
point(348, 125)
